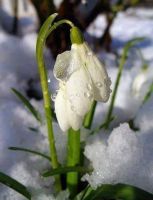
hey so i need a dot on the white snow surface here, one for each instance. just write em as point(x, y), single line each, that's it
point(122, 156)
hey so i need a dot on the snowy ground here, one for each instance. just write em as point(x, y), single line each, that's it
point(123, 156)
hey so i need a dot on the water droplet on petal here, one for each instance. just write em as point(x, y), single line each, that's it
point(73, 108)
point(108, 81)
point(77, 95)
point(105, 95)
point(89, 53)
point(88, 95)
point(99, 84)
point(71, 98)
point(89, 87)
point(53, 96)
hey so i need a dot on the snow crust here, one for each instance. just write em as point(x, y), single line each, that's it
point(124, 157)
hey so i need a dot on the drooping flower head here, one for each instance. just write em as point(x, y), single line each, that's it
point(142, 82)
point(82, 79)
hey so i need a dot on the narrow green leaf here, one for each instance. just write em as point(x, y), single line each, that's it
point(15, 185)
point(89, 117)
point(148, 94)
point(123, 59)
point(63, 170)
point(29, 151)
point(102, 126)
point(28, 105)
point(45, 31)
point(118, 191)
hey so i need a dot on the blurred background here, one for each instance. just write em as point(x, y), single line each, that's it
point(107, 26)
point(19, 17)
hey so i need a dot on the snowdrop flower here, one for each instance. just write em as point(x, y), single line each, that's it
point(142, 82)
point(82, 79)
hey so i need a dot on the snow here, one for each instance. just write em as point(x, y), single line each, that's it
point(118, 155)
point(14, 128)
point(97, 28)
point(144, 116)
point(122, 158)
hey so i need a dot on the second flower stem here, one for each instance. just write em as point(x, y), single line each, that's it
point(89, 117)
point(123, 59)
point(73, 159)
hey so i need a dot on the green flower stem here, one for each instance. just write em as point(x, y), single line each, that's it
point(73, 159)
point(76, 35)
point(117, 82)
point(89, 117)
point(148, 94)
point(45, 30)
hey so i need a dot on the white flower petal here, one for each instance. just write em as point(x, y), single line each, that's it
point(138, 83)
point(61, 109)
point(74, 119)
point(61, 66)
point(99, 76)
point(68, 62)
point(79, 91)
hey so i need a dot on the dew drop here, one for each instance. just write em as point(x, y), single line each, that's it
point(99, 84)
point(72, 108)
point(53, 97)
point(109, 81)
point(105, 96)
point(71, 98)
point(89, 87)
point(89, 53)
point(88, 95)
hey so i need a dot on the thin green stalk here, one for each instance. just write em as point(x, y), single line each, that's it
point(45, 30)
point(117, 82)
point(73, 159)
point(89, 117)
point(29, 151)
point(148, 94)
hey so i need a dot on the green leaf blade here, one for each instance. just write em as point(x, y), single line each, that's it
point(148, 94)
point(30, 151)
point(122, 62)
point(118, 191)
point(63, 170)
point(28, 105)
point(15, 185)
